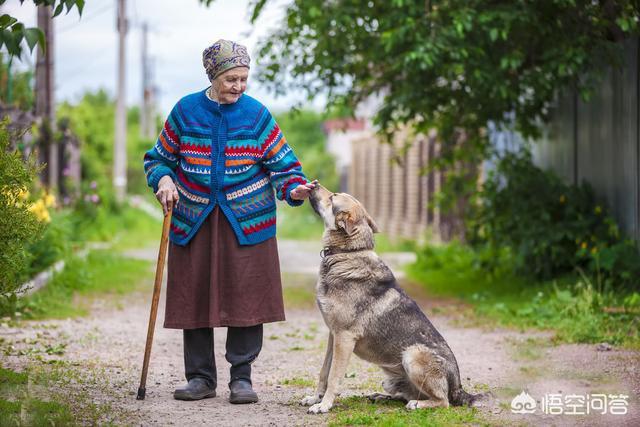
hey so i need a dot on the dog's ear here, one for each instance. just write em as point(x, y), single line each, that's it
point(348, 222)
point(371, 222)
point(345, 221)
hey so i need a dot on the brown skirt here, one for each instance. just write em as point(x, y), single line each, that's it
point(214, 281)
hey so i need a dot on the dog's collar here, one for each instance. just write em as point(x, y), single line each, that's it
point(327, 251)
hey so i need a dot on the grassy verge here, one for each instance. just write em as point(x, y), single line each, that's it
point(48, 395)
point(19, 407)
point(386, 244)
point(358, 411)
point(129, 228)
point(71, 292)
point(573, 307)
point(103, 272)
point(299, 223)
point(298, 290)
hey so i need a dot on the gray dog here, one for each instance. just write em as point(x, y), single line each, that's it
point(370, 315)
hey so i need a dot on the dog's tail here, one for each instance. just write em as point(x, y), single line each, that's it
point(460, 397)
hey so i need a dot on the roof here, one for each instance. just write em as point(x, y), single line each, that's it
point(344, 125)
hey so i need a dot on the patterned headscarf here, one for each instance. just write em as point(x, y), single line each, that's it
point(224, 55)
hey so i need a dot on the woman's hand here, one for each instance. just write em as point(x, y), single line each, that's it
point(302, 191)
point(167, 193)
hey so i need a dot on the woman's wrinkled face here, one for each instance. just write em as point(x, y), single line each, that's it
point(230, 85)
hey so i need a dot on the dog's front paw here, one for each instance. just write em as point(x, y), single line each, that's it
point(310, 400)
point(412, 405)
point(320, 408)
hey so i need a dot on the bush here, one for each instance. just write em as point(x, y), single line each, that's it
point(18, 224)
point(549, 227)
point(54, 244)
point(572, 306)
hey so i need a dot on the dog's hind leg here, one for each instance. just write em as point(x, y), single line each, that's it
point(324, 374)
point(427, 372)
point(343, 345)
point(396, 386)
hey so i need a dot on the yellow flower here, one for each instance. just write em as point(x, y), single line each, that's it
point(45, 217)
point(594, 250)
point(23, 194)
point(563, 199)
point(15, 196)
point(49, 199)
point(598, 210)
point(584, 245)
point(40, 211)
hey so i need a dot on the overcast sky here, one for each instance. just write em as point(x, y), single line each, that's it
point(86, 55)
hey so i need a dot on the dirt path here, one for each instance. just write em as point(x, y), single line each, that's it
point(107, 347)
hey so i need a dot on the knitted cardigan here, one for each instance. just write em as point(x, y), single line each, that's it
point(230, 155)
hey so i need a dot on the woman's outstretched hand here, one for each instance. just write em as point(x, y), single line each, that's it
point(302, 191)
point(167, 193)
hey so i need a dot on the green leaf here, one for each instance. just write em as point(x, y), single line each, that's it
point(314, 12)
point(623, 24)
point(7, 20)
point(493, 34)
point(257, 9)
point(10, 41)
point(58, 9)
point(33, 37)
point(18, 28)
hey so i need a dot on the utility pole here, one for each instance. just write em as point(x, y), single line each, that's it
point(147, 123)
point(45, 109)
point(120, 146)
point(145, 83)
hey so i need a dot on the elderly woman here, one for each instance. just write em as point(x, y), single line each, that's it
point(220, 157)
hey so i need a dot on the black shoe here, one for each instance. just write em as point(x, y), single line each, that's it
point(241, 392)
point(196, 389)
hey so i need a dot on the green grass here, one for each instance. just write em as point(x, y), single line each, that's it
point(298, 290)
point(103, 272)
point(70, 292)
point(19, 408)
point(55, 394)
point(35, 412)
point(385, 244)
point(129, 228)
point(570, 306)
point(298, 223)
point(358, 411)
point(298, 382)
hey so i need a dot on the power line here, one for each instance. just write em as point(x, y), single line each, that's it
point(87, 18)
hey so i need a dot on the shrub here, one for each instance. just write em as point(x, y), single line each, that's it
point(549, 227)
point(54, 244)
point(574, 307)
point(18, 224)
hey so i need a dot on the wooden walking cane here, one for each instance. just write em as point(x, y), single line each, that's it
point(162, 255)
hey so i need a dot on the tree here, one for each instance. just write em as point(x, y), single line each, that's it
point(18, 224)
point(13, 32)
point(449, 64)
point(303, 130)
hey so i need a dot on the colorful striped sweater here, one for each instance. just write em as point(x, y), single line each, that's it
point(227, 155)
